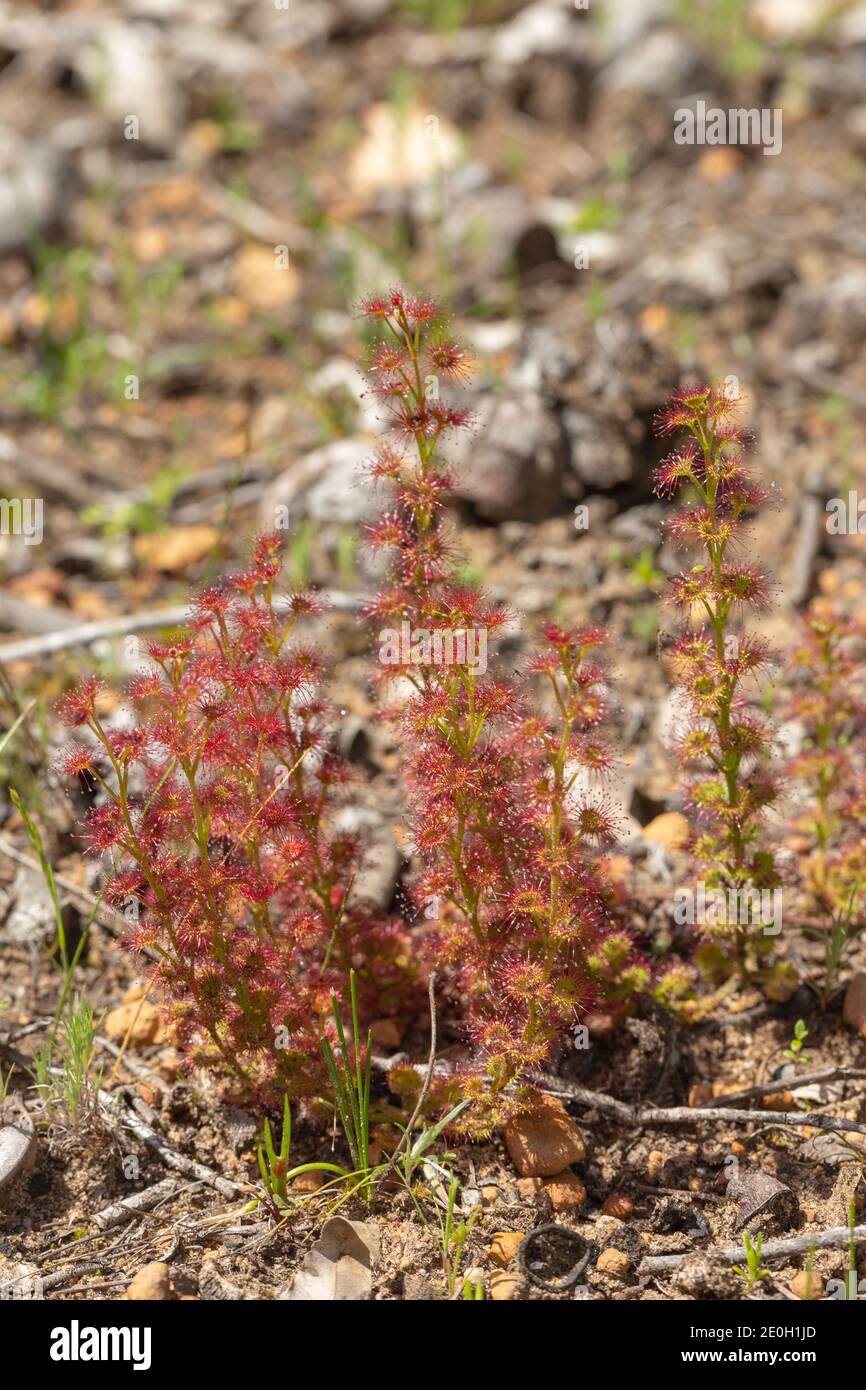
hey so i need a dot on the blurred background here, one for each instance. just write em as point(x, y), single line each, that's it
point(195, 193)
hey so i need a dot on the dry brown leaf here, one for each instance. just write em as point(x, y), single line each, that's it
point(339, 1266)
point(174, 551)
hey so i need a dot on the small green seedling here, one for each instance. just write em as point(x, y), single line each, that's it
point(276, 1173)
point(643, 569)
point(454, 1235)
point(474, 1289)
point(274, 1164)
point(794, 1051)
point(62, 1071)
point(351, 1085)
point(851, 1274)
point(418, 1152)
point(809, 1271)
point(754, 1271)
point(6, 1082)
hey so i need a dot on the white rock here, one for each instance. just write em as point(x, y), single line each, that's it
point(655, 66)
point(31, 190)
point(790, 19)
point(32, 918)
point(342, 374)
point(129, 76)
point(702, 270)
point(542, 28)
point(621, 24)
point(326, 485)
point(402, 150)
point(673, 719)
point(18, 1281)
point(17, 1148)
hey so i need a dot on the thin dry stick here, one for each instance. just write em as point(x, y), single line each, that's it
point(119, 1212)
point(771, 1250)
point(690, 1114)
point(811, 533)
point(594, 1100)
point(58, 1278)
point(82, 634)
point(687, 1114)
point(134, 1066)
point(170, 1157)
point(792, 1083)
point(428, 1079)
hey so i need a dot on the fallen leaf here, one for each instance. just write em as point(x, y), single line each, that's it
point(174, 551)
point(339, 1266)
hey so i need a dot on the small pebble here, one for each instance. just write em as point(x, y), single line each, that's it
point(614, 1262)
point(807, 1286)
point(504, 1246)
point(151, 1283)
point(654, 1164)
point(502, 1287)
point(619, 1206)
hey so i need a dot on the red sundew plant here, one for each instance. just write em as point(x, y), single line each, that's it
point(216, 815)
point(727, 739)
point(828, 773)
point(829, 768)
point(506, 832)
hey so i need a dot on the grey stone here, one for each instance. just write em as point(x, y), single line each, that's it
point(619, 26)
point(32, 919)
point(514, 467)
point(495, 228)
point(599, 457)
point(33, 187)
point(658, 65)
point(699, 1276)
point(126, 69)
point(326, 485)
point(763, 1203)
point(702, 272)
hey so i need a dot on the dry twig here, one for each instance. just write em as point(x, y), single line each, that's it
point(770, 1250)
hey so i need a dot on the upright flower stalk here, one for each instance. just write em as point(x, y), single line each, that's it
point(828, 779)
point(727, 740)
point(505, 830)
point(828, 703)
